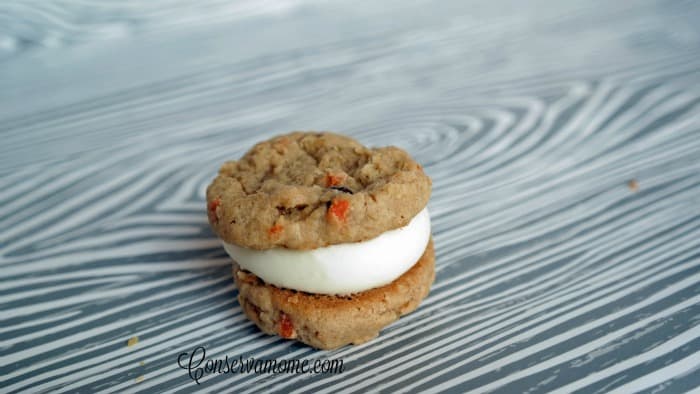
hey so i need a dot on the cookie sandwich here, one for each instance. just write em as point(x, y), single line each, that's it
point(330, 240)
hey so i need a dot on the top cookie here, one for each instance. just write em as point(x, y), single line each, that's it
point(308, 190)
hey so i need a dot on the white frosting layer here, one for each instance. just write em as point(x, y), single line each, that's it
point(343, 268)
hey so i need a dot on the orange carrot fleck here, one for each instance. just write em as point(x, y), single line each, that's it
point(335, 180)
point(339, 209)
point(286, 326)
point(276, 229)
point(212, 209)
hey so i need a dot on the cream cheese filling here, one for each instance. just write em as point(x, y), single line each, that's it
point(342, 268)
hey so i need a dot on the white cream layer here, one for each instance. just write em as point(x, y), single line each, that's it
point(343, 268)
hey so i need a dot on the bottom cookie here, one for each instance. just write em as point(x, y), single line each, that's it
point(329, 322)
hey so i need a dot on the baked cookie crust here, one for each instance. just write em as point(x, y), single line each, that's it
point(307, 190)
point(329, 322)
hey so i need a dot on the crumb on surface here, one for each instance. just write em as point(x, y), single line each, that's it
point(140, 379)
point(142, 363)
point(132, 341)
point(633, 185)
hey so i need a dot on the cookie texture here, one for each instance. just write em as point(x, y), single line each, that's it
point(307, 190)
point(329, 322)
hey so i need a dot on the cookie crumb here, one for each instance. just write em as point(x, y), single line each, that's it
point(140, 379)
point(132, 341)
point(142, 363)
point(633, 185)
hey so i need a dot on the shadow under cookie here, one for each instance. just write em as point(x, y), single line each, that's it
point(327, 321)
